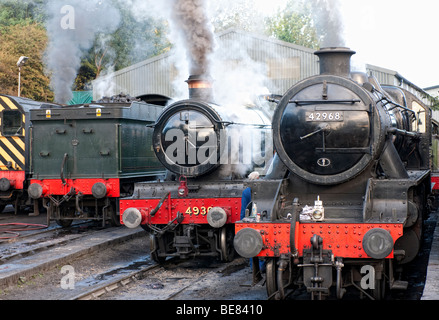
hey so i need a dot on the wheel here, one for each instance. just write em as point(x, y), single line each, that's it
point(271, 283)
point(65, 212)
point(379, 293)
point(114, 217)
point(64, 223)
point(226, 244)
point(273, 277)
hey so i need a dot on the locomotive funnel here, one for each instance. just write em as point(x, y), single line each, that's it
point(335, 61)
point(200, 88)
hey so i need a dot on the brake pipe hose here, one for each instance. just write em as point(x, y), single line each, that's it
point(19, 227)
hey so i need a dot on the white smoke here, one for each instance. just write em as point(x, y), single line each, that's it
point(329, 22)
point(104, 85)
point(71, 30)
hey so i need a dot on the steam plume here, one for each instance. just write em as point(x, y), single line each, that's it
point(329, 22)
point(190, 22)
point(71, 31)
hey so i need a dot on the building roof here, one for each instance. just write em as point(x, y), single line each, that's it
point(156, 75)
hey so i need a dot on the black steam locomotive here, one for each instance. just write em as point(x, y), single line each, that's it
point(207, 150)
point(348, 189)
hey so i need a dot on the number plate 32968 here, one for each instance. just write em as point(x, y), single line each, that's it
point(324, 116)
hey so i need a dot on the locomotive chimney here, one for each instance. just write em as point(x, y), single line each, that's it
point(335, 61)
point(200, 88)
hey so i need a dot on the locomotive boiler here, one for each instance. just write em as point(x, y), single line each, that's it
point(207, 149)
point(348, 188)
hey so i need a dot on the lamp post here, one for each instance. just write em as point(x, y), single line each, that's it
point(20, 63)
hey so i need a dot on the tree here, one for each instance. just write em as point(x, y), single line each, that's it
point(13, 12)
point(238, 14)
point(24, 40)
point(132, 42)
point(294, 24)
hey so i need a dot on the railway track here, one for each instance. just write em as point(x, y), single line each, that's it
point(41, 239)
point(125, 271)
point(111, 264)
point(101, 264)
point(40, 251)
point(175, 280)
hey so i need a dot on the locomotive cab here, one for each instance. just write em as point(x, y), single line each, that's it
point(14, 150)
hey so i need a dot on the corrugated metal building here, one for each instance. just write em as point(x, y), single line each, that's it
point(282, 63)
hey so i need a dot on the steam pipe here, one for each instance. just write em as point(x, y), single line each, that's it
point(391, 162)
point(280, 284)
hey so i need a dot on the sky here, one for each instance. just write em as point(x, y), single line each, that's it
point(399, 35)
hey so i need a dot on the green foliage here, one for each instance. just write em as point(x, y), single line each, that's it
point(132, 42)
point(13, 12)
point(24, 40)
point(294, 24)
point(434, 102)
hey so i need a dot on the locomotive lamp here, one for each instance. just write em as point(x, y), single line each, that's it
point(182, 188)
point(318, 213)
